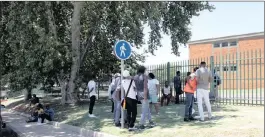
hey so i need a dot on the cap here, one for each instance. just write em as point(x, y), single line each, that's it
point(126, 73)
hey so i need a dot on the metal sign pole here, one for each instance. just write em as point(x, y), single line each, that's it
point(123, 51)
point(122, 94)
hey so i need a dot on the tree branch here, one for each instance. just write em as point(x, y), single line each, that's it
point(51, 21)
point(86, 47)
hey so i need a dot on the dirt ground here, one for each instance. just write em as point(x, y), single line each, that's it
point(229, 121)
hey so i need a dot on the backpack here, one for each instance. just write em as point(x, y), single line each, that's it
point(217, 80)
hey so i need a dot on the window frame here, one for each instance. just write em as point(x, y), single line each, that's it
point(228, 42)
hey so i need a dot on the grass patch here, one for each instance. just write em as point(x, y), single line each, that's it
point(231, 121)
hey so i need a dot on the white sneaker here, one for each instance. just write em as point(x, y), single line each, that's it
point(132, 128)
point(91, 115)
point(210, 116)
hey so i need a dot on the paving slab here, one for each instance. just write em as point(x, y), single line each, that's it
point(16, 121)
point(35, 129)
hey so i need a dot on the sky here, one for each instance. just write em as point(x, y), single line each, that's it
point(229, 18)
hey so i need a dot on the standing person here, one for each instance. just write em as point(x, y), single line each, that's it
point(204, 77)
point(217, 82)
point(177, 86)
point(142, 94)
point(115, 99)
point(189, 89)
point(153, 88)
point(111, 91)
point(91, 86)
point(167, 93)
point(130, 99)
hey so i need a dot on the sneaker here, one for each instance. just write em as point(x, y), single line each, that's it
point(151, 123)
point(132, 128)
point(209, 117)
point(186, 119)
point(118, 124)
point(91, 115)
point(192, 118)
point(141, 127)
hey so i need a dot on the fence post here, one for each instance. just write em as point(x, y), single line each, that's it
point(168, 72)
point(212, 71)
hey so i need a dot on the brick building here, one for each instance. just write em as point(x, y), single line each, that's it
point(238, 59)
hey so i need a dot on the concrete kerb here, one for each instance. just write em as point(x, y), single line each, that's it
point(15, 131)
point(80, 131)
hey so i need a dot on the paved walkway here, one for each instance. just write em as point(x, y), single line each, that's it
point(18, 124)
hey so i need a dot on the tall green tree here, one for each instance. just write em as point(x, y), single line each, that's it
point(69, 40)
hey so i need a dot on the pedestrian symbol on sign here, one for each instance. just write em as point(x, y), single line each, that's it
point(123, 50)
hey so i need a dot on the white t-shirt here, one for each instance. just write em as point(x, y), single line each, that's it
point(203, 75)
point(132, 93)
point(167, 90)
point(92, 84)
point(152, 86)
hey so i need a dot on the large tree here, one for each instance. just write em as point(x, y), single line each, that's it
point(69, 40)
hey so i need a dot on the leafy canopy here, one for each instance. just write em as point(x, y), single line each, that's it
point(36, 36)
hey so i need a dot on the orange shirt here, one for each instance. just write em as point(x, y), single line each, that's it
point(193, 84)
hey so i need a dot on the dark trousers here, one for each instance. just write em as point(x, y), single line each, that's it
point(45, 116)
point(91, 104)
point(112, 107)
point(165, 97)
point(178, 92)
point(131, 106)
point(188, 104)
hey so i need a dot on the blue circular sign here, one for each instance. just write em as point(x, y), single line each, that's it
point(123, 50)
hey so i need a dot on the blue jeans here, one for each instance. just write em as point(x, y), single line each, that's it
point(146, 114)
point(117, 112)
point(189, 104)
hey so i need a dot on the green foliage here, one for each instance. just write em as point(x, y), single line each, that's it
point(35, 37)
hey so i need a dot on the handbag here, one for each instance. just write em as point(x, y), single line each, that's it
point(123, 102)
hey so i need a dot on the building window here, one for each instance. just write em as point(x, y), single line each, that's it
point(232, 67)
point(216, 45)
point(233, 43)
point(225, 68)
point(224, 44)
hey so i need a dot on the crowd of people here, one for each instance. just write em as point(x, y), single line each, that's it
point(144, 89)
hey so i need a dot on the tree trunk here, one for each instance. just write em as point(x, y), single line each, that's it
point(70, 97)
point(28, 95)
point(63, 90)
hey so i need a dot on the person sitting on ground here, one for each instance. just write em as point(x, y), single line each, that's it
point(34, 100)
point(35, 114)
point(167, 93)
point(48, 114)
